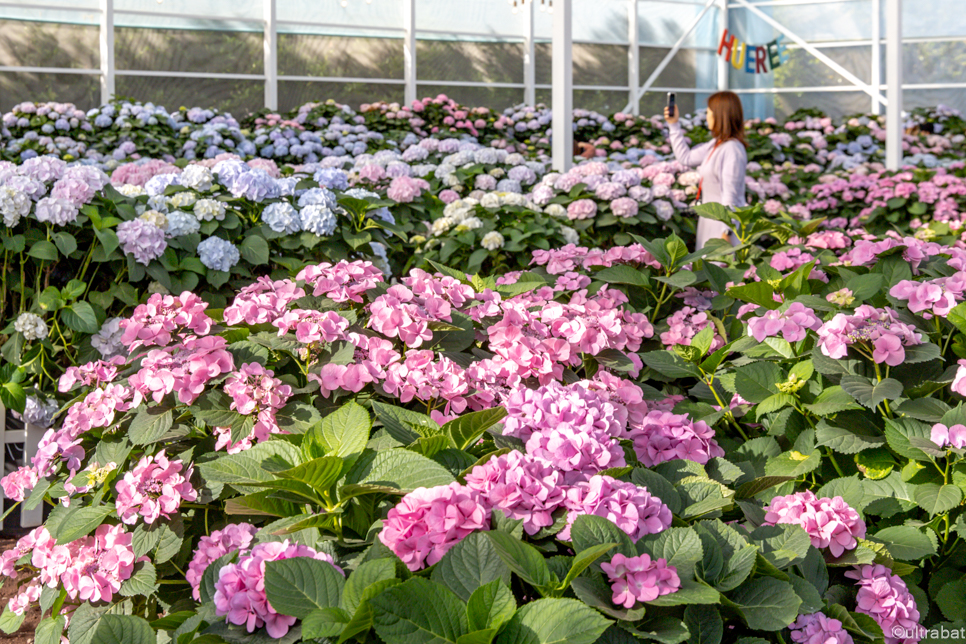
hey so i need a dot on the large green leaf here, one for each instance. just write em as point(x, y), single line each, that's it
point(871, 394)
point(554, 621)
point(936, 499)
point(758, 381)
point(767, 604)
point(907, 543)
point(80, 521)
point(466, 430)
point(418, 611)
point(300, 585)
point(588, 530)
point(704, 623)
point(123, 629)
point(364, 576)
point(399, 468)
point(899, 434)
point(471, 563)
point(319, 473)
point(522, 558)
point(782, 545)
point(847, 440)
point(50, 630)
point(738, 556)
point(150, 424)
point(831, 401)
point(80, 316)
point(490, 606)
point(404, 425)
point(342, 433)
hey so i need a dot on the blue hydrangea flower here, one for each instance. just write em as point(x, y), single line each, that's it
point(156, 184)
point(182, 223)
point(282, 218)
point(332, 178)
point(318, 219)
point(509, 185)
point(318, 197)
point(218, 254)
point(256, 185)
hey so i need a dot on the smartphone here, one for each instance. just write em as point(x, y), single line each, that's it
point(670, 103)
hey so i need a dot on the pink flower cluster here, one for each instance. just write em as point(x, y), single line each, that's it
point(566, 259)
point(830, 523)
point(421, 375)
point(952, 436)
point(876, 329)
point(371, 358)
point(406, 189)
point(556, 405)
point(154, 322)
point(664, 436)
point(427, 522)
point(640, 579)
point(816, 628)
point(886, 599)
point(687, 323)
point(632, 509)
point(407, 309)
point(240, 589)
point(98, 564)
point(521, 486)
point(793, 323)
point(182, 368)
point(16, 484)
point(930, 298)
point(90, 374)
point(578, 454)
point(154, 489)
point(341, 282)
point(262, 302)
point(234, 536)
point(253, 389)
point(312, 326)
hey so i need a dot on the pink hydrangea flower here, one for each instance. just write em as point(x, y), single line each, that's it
point(879, 331)
point(830, 523)
point(959, 381)
point(420, 375)
point(406, 189)
point(240, 590)
point(579, 455)
point(952, 436)
point(886, 599)
point(343, 281)
point(632, 509)
point(816, 628)
point(183, 369)
point(792, 324)
point(29, 594)
point(521, 486)
point(554, 405)
point(371, 358)
point(253, 389)
point(582, 209)
point(687, 323)
point(664, 436)
point(312, 326)
point(262, 302)
point(154, 489)
point(427, 522)
point(99, 564)
point(924, 296)
point(16, 484)
point(639, 579)
point(234, 536)
point(90, 374)
point(155, 321)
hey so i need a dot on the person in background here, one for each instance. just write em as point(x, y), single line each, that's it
point(721, 162)
point(584, 149)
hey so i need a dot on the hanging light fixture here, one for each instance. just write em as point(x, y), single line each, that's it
point(545, 5)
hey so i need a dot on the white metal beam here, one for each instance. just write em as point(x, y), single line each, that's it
point(409, 49)
point(894, 120)
point(106, 41)
point(723, 65)
point(671, 54)
point(876, 52)
point(270, 45)
point(633, 57)
point(814, 51)
point(529, 55)
point(563, 86)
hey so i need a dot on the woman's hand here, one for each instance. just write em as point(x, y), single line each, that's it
point(671, 118)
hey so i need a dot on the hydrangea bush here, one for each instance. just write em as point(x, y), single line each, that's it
point(637, 443)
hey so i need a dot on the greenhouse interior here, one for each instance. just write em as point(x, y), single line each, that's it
point(483, 321)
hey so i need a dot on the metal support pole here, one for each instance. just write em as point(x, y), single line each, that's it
point(563, 86)
point(106, 38)
point(270, 44)
point(894, 84)
point(409, 49)
point(529, 55)
point(633, 57)
point(876, 52)
point(723, 64)
point(670, 55)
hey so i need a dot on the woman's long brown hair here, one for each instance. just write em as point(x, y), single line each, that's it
point(729, 118)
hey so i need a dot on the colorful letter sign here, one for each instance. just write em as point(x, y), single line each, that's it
point(754, 59)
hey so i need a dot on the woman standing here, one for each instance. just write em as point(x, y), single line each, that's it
point(721, 162)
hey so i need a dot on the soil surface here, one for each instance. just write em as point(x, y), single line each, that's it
point(26, 633)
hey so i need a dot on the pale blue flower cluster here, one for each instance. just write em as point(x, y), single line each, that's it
point(282, 218)
point(218, 254)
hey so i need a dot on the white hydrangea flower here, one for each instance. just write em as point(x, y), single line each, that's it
point(442, 225)
point(496, 173)
point(513, 199)
point(156, 218)
point(108, 339)
point(197, 177)
point(556, 210)
point(470, 223)
point(491, 201)
point(492, 240)
point(208, 209)
point(451, 180)
point(182, 200)
point(131, 190)
point(14, 204)
point(569, 234)
point(691, 178)
point(158, 202)
point(31, 326)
